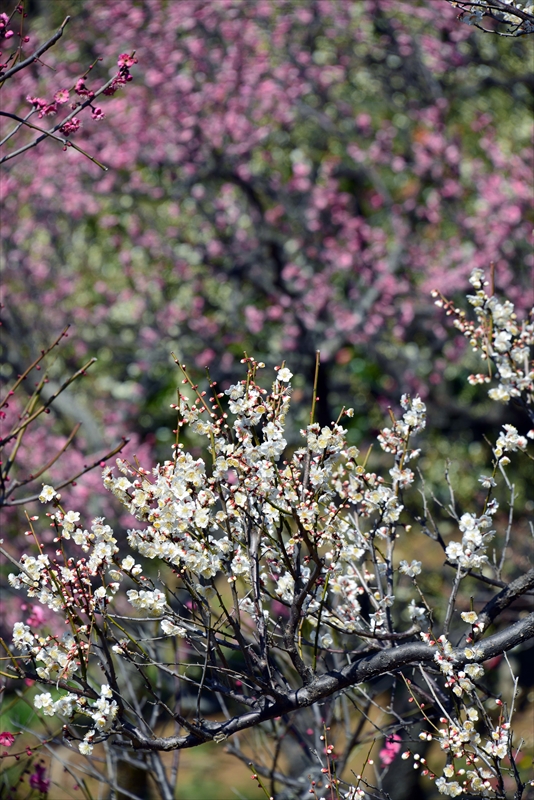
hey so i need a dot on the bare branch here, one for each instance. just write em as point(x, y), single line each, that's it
point(372, 666)
point(39, 52)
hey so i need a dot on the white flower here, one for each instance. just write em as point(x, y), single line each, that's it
point(127, 563)
point(509, 441)
point(401, 477)
point(236, 391)
point(416, 613)
point(474, 671)
point(71, 517)
point(454, 551)
point(65, 705)
point(48, 493)
point(452, 789)
point(22, 636)
point(85, 748)
point(411, 570)
point(501, 341)
point(476, 278)
point(170, 629)
point(467, 522)
point(44, 701)
point(285, 375)
point(202, 517)
point(240, 499)
point(472, 652)
point(145, 600)
point(469, 616)
point(501, 394)
point(285, 587)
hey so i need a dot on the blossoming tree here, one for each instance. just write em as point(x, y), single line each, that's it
point(268, 600)
point(282, 605)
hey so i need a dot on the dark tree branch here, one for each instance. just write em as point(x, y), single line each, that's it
point(39, 52)
point(372, 666)
point(507, 596)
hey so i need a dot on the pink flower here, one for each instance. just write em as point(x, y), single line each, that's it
point(4, 20)
point(38, 102)
point(126, 60)
point(6, 739)
point(71, 126)
point(49, 109)
point(392, 745)
point(112, 88)
point(96, 113)
point(62, 96)
point(38, 780)
point(81, 89)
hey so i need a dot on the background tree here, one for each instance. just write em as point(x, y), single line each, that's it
point(284, 179)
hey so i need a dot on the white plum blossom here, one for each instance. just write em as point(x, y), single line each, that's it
point(104, 710)
point(469, 616)
point(128, 565)
point(452, 788)
point(23, 638)
point(501, 338)
point(45, 703)
point(401, 477)
point(471, 552)
point(169, 628)
point(236, 391)
point(66, 705)
point(47, 494)
point(86, 747)
point(411, 570)
point(474, 671)
point(153, 602)
point(416, 613)
point(285, 586)
point(509, 441)
point(285, 375)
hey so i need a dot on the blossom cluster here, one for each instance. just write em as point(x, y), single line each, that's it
point(462, 742)
point(71, 124)
point(460, 737)
point(61, 586)
point(471, 552)
point(102, 711)
point(200, 523)
point(225, 522)
point(498, 336)
point(49, 108)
